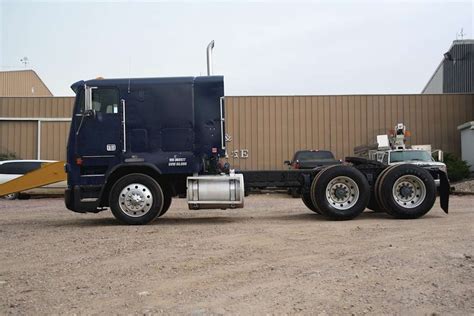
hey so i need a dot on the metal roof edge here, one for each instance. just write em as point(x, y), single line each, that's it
point(455, 42)
point(41, 80)
point(467, 125)
point(34, 73)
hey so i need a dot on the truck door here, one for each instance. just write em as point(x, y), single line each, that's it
point(100, 132)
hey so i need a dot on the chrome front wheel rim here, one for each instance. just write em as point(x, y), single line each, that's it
point(409, 191)
point(135, 200)
point(342, 193)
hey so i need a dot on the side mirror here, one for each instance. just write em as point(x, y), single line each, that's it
point(287, 162)
point(88, 98)
point(438, 155)
point(90, 113)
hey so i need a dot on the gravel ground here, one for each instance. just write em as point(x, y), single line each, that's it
point(274, 256)
point(466, 186)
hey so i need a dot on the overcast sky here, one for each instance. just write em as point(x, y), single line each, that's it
point(262, 48)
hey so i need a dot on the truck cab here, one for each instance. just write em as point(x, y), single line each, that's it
point(164, 128)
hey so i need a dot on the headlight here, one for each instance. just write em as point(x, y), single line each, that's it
point(443, 168)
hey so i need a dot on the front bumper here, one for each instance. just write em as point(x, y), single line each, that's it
point(77, 199)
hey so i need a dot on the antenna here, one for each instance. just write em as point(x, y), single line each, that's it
point(25, 61)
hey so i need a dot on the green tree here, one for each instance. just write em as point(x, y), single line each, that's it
point(457, 169)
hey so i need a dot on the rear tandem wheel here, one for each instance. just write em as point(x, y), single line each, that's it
point(306, 197)
point(407, 191)
point(340, 192)
point(374, 203)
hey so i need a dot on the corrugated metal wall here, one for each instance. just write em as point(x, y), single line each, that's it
point(36, 107)
point(22, 83)
point(54, 140)
point(270, 129)
point(20, 136)
point(458, 74)
point(265, 131)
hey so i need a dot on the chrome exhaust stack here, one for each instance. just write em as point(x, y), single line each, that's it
point(209, 57)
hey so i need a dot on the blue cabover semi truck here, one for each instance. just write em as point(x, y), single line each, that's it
point(134, 144)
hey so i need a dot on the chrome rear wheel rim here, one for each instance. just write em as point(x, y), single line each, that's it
point(409, 191)
point(342, 193)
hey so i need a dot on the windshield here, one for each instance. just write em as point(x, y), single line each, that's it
point(313, 155)
point(410, 155)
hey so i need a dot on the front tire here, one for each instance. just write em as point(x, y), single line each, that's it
point(136, 199)
point(166, 203)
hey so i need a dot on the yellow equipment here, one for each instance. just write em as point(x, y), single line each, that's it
point(49, 173)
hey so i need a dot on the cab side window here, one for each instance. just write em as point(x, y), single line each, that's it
point(105, 100)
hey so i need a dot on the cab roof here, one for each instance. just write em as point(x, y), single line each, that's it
point(133, 82)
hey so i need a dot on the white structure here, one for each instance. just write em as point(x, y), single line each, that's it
point(467, 143)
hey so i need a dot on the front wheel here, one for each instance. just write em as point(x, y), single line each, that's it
point(136, 199)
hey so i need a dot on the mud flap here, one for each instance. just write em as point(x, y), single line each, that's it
point(444, 190)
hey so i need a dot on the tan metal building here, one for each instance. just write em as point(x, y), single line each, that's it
point(265, 131)
point(35, 128)
point(22, 83)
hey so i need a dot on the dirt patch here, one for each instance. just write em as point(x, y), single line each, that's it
point(274, 256)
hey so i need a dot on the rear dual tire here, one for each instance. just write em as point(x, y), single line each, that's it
point(340, 192)
point(374, 202)
point(406, 191)
point(306, 197)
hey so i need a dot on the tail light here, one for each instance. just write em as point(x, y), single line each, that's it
point(297, 165)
